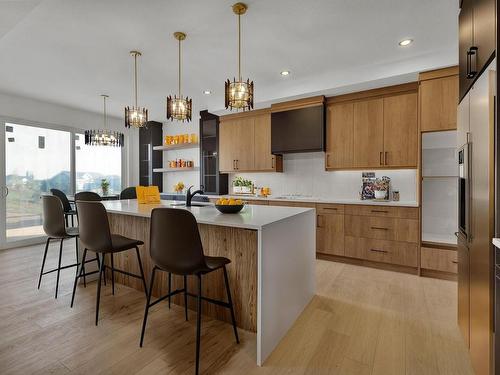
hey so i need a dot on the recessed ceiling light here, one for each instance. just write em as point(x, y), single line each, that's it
point(405, 42)
point(285, 72)
point(207, 92)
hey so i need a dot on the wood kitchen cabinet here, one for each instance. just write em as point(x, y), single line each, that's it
point(438, 94)
point(369, 133)
point(245, 143)
point(340, 135)
point(330, 229)
point(400, 130)
point(373, 129)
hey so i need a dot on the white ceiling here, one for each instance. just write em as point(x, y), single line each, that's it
point(70, 51)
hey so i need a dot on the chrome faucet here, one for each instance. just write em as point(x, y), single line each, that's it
point(189, 195)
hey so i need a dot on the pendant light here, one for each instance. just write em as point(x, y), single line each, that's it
point(104, 136)
point(239, 93)
point(179, 108)
point(135, 116)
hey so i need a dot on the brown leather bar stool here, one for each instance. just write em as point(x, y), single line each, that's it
point(96, 236)
point(184, 257)
point(53, 225)
point(88, 196)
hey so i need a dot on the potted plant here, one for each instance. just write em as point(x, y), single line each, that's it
point(242, 186)
point(105, 186)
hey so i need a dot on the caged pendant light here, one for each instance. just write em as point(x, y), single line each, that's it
point(135, 116)
point(104, 136)
point(178, 107)
point(239, 93)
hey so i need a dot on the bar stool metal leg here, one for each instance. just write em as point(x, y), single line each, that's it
point(147, 306)
point(101, 271)
point(142, 270)
point(43, 261)
point(81, 269)
point(169, 288)
point(185, 298)
point(112, 274)
point(230, 300)
point(198, 327)
point(59, 265)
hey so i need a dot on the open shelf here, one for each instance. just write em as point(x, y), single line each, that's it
point(166, 170)
point(179, 146)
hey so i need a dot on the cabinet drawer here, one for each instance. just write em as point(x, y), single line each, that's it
point(382, 228)
point(255, 202)
point(382, 211)
point(439, 259)
point(330, 234)
point(292, 204)
point(327, 208)
point(393, 252)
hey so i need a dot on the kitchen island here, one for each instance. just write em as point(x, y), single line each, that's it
point(272, 270)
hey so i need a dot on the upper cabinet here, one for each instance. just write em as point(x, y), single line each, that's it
point(245, 143)
point(373, 129)
point(438, 92)
point(476, 39)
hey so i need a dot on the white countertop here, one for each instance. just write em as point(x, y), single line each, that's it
point(322, 200)
point(251, 217)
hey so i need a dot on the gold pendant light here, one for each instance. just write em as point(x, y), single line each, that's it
point(178, 107)
point(239, 93)
point(104, 136)
point(135, 116)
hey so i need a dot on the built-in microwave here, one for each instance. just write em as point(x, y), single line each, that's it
point(464, 191)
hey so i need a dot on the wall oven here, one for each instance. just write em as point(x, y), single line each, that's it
point(464, 193)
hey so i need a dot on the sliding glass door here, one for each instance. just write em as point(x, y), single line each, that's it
point(37, 159)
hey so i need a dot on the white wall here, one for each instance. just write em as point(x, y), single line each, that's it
point(305, 174)
point(14, 108)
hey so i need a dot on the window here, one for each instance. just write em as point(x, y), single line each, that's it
point(95, 163)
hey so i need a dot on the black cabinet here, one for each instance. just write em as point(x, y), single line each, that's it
point(477, 31)
point(211, 180)
point(149, 136)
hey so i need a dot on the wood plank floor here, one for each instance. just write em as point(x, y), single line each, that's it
point(362, 321)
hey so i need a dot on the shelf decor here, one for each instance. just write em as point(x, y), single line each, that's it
point(104, 136)
point(239, 93)
point(179, 107)
point(135, 116)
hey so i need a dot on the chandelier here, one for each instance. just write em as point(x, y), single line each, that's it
point(239, 93)
point(104, 137)
point(178, 107)
point(135, 116)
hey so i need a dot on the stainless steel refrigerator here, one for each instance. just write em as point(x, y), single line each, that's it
point(476, 218)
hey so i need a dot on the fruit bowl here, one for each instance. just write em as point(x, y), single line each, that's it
point(229, 208)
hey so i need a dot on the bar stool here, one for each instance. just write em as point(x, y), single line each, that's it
point(128, 193)
point(184, 257)
point(53, 225)
point(95, 236)
point(88, 196)
point(68, 210)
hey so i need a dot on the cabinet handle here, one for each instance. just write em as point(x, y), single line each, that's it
point(381, 162)
point(386, 154)
point(379, 228)
point(471, 72)
point(272, 162)
point(330, 208)
point(379, 251)
point(380, 211)
point(454, 262)
point(236, 163)
point(327, 160)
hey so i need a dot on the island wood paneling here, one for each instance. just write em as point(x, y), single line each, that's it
point(239, 245)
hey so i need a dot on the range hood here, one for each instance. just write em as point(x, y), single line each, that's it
point(298, 126)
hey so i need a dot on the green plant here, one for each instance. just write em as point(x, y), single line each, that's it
point(104, 186)
point(240, 181)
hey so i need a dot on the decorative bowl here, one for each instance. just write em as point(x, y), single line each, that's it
point(229, 208)
point(380, 194)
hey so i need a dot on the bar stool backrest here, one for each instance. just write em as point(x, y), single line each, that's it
point(93, 226)
point(128, 193)
point(53, 216)
point(175, 243)
point(64, 199)
point(88, 196)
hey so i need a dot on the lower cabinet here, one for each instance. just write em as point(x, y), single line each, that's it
point(443, 260)
point(384, 251)
point(330, 229)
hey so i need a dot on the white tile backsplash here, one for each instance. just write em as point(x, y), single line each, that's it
point(305, 174)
